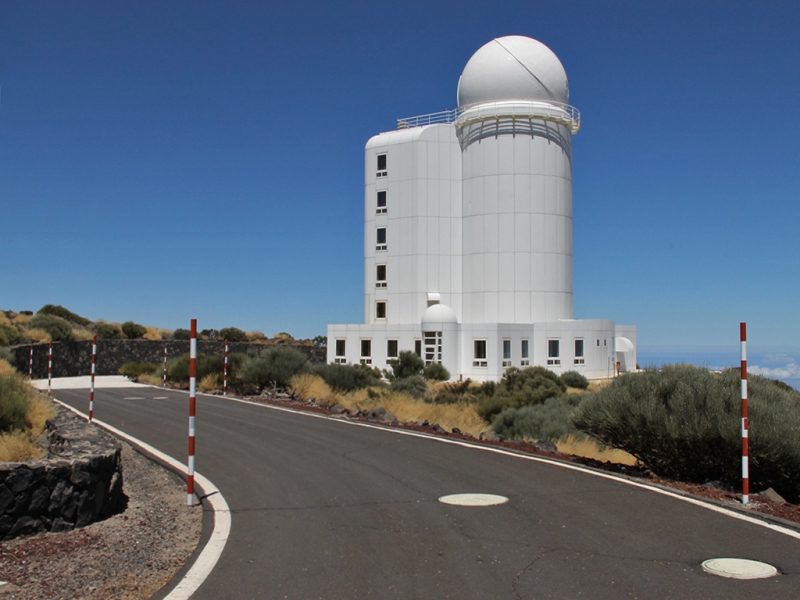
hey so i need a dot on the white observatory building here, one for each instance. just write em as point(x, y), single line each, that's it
point(468, 231)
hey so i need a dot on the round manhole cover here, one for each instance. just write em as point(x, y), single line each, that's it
point(473, 499)
point(739, 568)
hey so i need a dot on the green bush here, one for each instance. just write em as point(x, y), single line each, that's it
point(181, 334)
point(8, 356)
point(67, 315)
point(133, 331)
point(414, 385)
point(519, 388)
point(14, 403)
point(550, 420)
point(346, 378)
point(407, 364)
point(273, 368)
point(232, 334)
point(436, 372)
point(9, 336)
point(575, 380)
point(684, 423)
point(59, 329)
point(107, 331)
point(206, 364)
point(133, 370)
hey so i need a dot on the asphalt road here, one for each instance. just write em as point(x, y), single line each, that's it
point(325, 509)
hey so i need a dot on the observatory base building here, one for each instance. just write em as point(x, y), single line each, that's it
point(468, 231)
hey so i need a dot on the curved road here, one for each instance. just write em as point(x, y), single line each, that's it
point(322, 508)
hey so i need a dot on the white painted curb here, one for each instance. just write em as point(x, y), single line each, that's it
point(210, 554)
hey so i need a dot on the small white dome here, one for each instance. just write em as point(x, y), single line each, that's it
point(438, 314)
point(513, 67)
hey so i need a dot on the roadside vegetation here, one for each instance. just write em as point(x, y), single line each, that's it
point(23, 413)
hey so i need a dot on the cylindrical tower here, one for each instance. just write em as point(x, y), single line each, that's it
point(515, 130)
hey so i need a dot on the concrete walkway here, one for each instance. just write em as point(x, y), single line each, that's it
point(85, 381)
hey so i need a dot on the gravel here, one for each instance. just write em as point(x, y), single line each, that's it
point(130, 555)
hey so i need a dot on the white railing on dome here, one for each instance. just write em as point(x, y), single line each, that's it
point(564, 113)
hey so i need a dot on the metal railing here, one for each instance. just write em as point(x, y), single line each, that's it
point(444, 116)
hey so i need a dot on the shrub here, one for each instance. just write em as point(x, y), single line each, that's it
point(274, 368)
point(550, 420)
point(232, 334)
point(684, 423)
point(133, 331)
point(206, 364)
point(181, 334)
point(9, 336)
point(63, 313)
point(107, 331)
point(520, 388)
point(311, 386)
point(209, 383)
point(14, 403)
point(133, 370)
point(575, 380)
point(346, 378)
point(414, 385)
point(59, 329)
point(39, 336)
point(8, 356)
point(407, 364)
point(436, 372)
point(283, 336)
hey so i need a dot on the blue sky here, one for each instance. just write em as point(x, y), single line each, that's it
point(163, 161)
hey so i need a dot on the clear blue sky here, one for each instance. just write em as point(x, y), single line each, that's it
point(167, 160)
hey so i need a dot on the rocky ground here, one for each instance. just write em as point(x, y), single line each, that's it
point(130, 555)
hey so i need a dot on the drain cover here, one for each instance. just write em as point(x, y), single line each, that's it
point(473, 499)
point(739, 568)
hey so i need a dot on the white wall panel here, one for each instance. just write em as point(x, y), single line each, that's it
point(505, 186)
point(506, 228)
point(505, 151)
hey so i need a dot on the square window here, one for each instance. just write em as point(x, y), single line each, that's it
point(382, 199)
point(381, 235)
point(381, 162)
point(366, 348)
point(391, 348)
point(380, 310)
point(524, 349)
point(380, 273)
point(480, 349)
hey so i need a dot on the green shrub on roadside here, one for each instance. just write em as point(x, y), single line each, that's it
point(9, 336)
point(8, 356)
point(684, 423)
point(436, 372)
point(407, 364)
point(232, 334)
point(133, 331)
point(273, 368)
point(205, 364)
point(346, 378)
point(414, 385)
point(107, 331)
point(133, 370)
point(63, 313)
point(181, 334)
point(59, 329)
point(575, 380)
point(14, 403)
point(519, 388)
point(550, 420)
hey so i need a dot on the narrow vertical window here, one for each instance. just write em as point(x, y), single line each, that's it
point(506, 353)
point(524, 354)
point(380, 310)
point(391, 348)
point(579, 359)
point(366, 352)
point(553, 355)
point(479, 354)
point(381, 165)
point(381, 202)
point(380, 276)
point(418, 348)
point(340, 352)
point(381, 238)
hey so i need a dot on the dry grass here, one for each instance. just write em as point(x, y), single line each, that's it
point(4, 320)
point(22, 319)
point(156, 333)
point(308, 385)
point(209, 383)
point(18, 447)
point(6, 368)
point(256, 336)
point(40, 411)
point(38, 335)
point(82, 334)
point(151, 379)
point(590, 449)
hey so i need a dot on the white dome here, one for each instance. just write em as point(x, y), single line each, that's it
point(513, 67)
point(438, 314)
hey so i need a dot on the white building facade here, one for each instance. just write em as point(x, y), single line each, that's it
point(468, 231)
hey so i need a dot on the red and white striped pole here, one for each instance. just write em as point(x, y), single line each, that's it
point(225, 372)
point(50, 371)
point(192, 403)
point(91, 389)
point(165, 365)
point(30, 365)
point(745, 419)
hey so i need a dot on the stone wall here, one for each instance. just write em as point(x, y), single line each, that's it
point(71, 359)
point(79, 482)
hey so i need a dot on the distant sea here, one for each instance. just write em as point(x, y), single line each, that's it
point(775, 363)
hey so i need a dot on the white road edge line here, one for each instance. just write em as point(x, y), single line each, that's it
point(711, 507)
point(209, 556)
